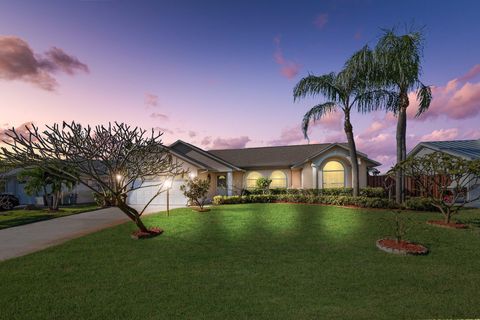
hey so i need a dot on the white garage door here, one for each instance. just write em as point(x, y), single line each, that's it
point(139, 198)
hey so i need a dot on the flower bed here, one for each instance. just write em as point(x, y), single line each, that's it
point(152, 232)
point(401, 247)
point(443, 224)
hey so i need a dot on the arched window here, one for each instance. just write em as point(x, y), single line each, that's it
point(252, 178)
point(333, 175)
point(279, 180)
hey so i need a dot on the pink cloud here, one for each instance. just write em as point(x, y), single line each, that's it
point(471, 74)
point(19, 62)
point(151, 100)
point(457, 99)
point(192, 134)
point(230, 143)
point(159, 116)
point(321, 20)
point(289, 69)
point(206, 141)
point(332, 121)
point(441, 135)
point(292, 135)
point(21, 130)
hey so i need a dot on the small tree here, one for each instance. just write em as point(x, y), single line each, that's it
point(39, 180)
point(264, 184)
point(115, 159)
point(444, 179)
point(196, 190)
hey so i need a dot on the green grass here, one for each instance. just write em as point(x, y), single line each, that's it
point(272, 261)
point(18, 217)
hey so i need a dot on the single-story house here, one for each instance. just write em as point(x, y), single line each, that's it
point(310, 166)
point(467, 149)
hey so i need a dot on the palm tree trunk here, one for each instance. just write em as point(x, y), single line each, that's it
point(353, 154)
point(401, 147)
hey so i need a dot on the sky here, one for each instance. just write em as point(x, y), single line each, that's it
point(220, 74)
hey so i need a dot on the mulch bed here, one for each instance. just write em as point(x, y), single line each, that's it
point(152, 232)
point(401, 247)
point(200, 210)
point(443, 224)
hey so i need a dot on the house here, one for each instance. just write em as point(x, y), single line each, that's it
point(12, 185)
point(230, 171)
point(467, 149)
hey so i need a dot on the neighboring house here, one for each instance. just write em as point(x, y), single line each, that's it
point(11, 185)
point(467, 149)
point(312, 166)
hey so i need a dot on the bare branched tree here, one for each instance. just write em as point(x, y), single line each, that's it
point(111, 160)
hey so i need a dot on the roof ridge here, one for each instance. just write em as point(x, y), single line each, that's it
point(284, 146)
point(460, 140)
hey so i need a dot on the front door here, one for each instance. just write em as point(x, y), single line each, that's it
point(222, 185)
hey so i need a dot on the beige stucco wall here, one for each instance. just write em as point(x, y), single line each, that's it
point(296, 178)
point(307, 176)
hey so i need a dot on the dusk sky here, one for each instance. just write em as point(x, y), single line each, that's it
point(220, 74)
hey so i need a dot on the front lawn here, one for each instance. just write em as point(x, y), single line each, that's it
point(18, 217)
point(250, 262)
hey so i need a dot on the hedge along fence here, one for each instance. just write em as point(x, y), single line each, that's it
point(337, 200)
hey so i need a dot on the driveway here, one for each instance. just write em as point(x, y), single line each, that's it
point(21, 240)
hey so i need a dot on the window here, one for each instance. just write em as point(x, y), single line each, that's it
point(279, 180)
point(252, 178)
point(333, 175)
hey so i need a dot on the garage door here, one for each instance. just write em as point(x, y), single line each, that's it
point(139, 198)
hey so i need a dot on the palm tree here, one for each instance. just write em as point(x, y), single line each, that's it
point(395, 66)
point(343, 91)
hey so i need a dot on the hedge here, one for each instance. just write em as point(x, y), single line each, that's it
point(365, 192)
point(420, 204)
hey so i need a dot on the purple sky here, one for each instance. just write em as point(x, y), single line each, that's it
point(220, 74)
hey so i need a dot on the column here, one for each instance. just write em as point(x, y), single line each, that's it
point(314, 176)
point(229, 183)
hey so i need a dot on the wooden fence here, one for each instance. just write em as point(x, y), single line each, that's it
point(411, 190)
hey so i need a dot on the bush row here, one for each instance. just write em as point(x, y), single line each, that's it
point(364, 192)
point(361, 201)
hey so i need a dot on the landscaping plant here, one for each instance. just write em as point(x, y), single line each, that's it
point(196, 191)
point(263, 184)
point(444, 180)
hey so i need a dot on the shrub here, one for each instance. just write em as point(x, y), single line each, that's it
point(363, 202)
point(196, 190)
point(264, 184)
point(336, 191)
point(378, 192)
point(420, 204)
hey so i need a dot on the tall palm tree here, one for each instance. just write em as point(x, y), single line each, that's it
point(395, 66)
point(343, 92)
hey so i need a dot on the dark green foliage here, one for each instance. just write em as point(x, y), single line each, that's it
point(196, 190)
point(373, 192)
point(420, 204)
point(263, 184)
point(341, 200)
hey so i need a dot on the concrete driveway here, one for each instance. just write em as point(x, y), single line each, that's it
point(21, 240)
